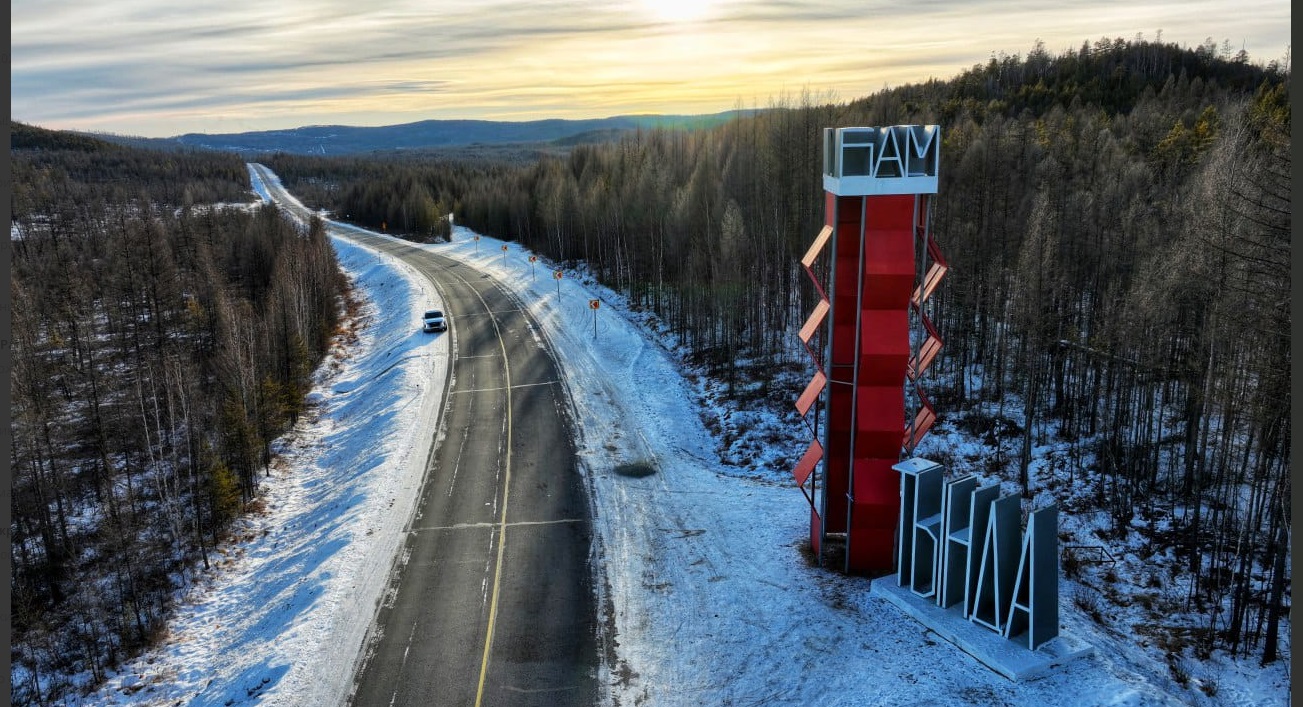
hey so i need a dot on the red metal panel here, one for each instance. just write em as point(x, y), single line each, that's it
point(815, 321)
point(925, 416)
point(879, 399)
point(840, 404)
point(922, 422)
point(812, 455)
point(880, 408)
point(928, 350)
point(873, 516)
point(889, 258)
point(874, 478)
point(874, 281)
point(817, 247)
point(843, 343)
point(870, 545)
point(812, 254)
point(850, 211)
point(881, 412)
point(926, 354)
point(890, 252)
point(889, 291)
point(884, 332)
point(843, 215)
point(936, 270)
point(884, 346)
point(811, 393)
point(890, 212)
point(869, 548)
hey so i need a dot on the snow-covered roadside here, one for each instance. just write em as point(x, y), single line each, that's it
point(280, 619)
point(711, 599)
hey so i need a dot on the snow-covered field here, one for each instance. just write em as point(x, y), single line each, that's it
point(712, 599)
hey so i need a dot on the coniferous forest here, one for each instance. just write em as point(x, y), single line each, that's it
point(1116, 219)
point(1117, 222)
point(163, 335)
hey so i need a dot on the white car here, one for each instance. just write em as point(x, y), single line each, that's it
point(434, 321)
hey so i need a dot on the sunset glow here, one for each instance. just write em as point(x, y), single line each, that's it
point(677, 10)
point(148, 67)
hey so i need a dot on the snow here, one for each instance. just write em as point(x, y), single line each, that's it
point(712, 600)
point(282, 615)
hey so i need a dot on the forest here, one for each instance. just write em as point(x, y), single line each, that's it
point(1117, 222)
point(164, 333)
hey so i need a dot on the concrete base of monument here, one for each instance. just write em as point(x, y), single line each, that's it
point(1005, 657)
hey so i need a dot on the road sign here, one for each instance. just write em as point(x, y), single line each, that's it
point(533, 258)
point(558, 274)
point(594, 303)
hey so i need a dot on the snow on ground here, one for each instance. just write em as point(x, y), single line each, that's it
point(711, 598)
point(713, 601)
point(280, 619)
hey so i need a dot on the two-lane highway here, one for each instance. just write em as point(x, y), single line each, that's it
point(493, 603)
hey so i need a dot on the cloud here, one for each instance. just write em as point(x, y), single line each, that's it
point(162, 68)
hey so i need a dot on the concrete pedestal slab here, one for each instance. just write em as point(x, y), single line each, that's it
point(1004, 656)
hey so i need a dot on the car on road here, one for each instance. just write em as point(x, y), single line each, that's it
point(434, 321)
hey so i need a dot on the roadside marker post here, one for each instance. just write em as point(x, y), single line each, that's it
point(477, 245)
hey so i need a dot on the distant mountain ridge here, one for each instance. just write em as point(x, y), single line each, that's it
point(344, 139)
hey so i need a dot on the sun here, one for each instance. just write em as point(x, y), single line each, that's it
point(677, 10)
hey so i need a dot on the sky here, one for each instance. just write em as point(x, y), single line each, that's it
point(159, 68)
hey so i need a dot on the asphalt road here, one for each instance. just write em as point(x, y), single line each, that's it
point(494, 604)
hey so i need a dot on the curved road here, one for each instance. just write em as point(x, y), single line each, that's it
point(494, 603)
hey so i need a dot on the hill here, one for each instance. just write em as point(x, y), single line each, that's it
point(30, 137)
point(425, 134)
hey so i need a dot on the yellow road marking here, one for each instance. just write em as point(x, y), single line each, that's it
point(502, 518)
point(506, 490)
